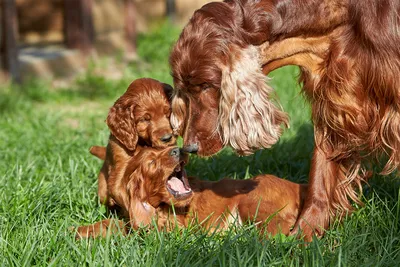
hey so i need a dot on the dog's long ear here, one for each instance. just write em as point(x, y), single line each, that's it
point(248, 119)
point(121, 122)
point(140, 211)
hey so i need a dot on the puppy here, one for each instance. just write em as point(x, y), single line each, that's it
point(159, 190)
point(139, 118)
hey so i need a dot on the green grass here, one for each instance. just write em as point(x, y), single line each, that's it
point(49, 183)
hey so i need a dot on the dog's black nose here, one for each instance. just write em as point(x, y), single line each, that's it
point(175, 152)
point(192, 148)
point(166, 138)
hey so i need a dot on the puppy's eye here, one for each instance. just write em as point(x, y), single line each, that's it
point(145, 118)
point(152, 162)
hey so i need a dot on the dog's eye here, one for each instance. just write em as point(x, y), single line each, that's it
point(196, 89)
point(205, 86)
point(200, 87)
point(152, 162)
point(144, 120)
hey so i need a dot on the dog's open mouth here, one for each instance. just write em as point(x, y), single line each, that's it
point(178, 184)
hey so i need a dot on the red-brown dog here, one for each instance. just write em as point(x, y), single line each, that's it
point(158, 189)
point(139, 118)
point(349, 58)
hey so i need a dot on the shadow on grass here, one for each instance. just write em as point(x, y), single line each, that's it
point(289, 158)
point(386, 187)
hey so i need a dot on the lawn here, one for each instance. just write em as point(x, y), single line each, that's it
point(49, 182)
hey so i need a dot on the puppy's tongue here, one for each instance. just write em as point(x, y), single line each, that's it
point(177, 185)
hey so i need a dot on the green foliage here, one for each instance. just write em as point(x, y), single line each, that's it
point(49, 183)
point(179, 141)
point(14, 97)
point(155, 46)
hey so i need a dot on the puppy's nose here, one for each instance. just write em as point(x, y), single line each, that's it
point(166, 138)
point(175, 152)
point(192, 148)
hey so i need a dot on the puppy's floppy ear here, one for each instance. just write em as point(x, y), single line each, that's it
point(121, 122)
point(140, 211)
point(248, 119)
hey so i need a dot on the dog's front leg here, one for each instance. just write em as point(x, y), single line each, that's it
point(315, 216)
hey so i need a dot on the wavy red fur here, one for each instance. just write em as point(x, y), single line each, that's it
point(353, 87)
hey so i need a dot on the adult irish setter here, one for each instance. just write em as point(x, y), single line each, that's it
point(349, 55)
point(157, 189)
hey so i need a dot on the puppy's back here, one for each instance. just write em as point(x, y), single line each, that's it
point(275, 200)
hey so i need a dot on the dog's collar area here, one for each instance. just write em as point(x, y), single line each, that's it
point(177, 183)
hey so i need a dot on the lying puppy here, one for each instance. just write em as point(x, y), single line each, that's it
point(159, 190)
point(139, 118)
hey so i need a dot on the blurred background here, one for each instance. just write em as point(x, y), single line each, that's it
point(53, 38)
